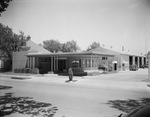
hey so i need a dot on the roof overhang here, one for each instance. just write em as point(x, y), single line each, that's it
point(69, 54)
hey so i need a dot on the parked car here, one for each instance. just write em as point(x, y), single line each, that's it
point(133, 67)
point(102, 67)
point(143, 111)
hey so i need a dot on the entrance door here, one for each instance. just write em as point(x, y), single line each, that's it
point(62, 65)
point(44, 65)
point(115, 66)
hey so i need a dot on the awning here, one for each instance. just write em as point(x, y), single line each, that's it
point(114, 62)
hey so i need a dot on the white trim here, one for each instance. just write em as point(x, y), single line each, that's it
point(114, 62)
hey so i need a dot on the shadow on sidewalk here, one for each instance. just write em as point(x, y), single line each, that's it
point(68, 81)
point(128, 105)
point(24, 105)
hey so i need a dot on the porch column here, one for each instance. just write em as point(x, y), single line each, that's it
point(97, 62)
point(138, 60)
point(148, 65)
point(133, 60)
point(28, 62)
point(57, 64)
point(142, 60)
point(107, 62)
point(33, 62)
point(91, 62)
point(52, 63)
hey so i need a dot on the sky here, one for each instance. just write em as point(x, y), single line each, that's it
point(113, 23)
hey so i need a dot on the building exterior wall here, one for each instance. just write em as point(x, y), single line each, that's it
point(124, 62)
point(19, 60)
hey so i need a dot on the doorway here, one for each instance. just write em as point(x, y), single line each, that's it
point(62, 66)
point(115, 66)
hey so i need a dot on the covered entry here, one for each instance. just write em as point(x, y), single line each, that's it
point(44, 65)
point(62, 65)
point(115, 65)
point(47, 64)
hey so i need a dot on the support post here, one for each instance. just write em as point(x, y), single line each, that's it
point(57, 63)
point(33, 60)
point(91, 62)
point(133, 60)
point(28, 63)
point(52, 64)
point(148, 65)
point(139, 62)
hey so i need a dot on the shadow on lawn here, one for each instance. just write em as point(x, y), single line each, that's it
point(24, 105)
point(5, 87)
point(128, 105)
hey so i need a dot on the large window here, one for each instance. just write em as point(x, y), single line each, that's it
point(87, 62)
point(76, 63)
point(104, 58)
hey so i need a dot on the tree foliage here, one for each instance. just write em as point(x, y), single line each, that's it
point(93, 45)
point(52, 45)
point(11, 42)
point(70, 46)
point(3, 5)
point(55, 46)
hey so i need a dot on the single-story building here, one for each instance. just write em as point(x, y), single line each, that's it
point(80, 62)
point(123, 60)
point(39, 60)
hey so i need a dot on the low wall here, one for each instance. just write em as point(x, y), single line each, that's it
point(27, 70)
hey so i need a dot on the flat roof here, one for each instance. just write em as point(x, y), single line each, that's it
point(70, 54)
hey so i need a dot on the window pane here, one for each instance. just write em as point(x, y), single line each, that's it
point(76, 63)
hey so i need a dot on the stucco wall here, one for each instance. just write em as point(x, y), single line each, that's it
point(19, 60)
point(125, 61)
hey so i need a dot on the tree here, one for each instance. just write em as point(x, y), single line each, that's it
point(93, 45)
point(52, 45)
point(55, 46)
point(3, 5)
point(11, 42)
point(70, 46)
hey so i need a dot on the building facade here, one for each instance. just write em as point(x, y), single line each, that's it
point(39, 60)
point(80, 62)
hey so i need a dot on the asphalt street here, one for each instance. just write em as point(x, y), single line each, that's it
point(87, 97)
